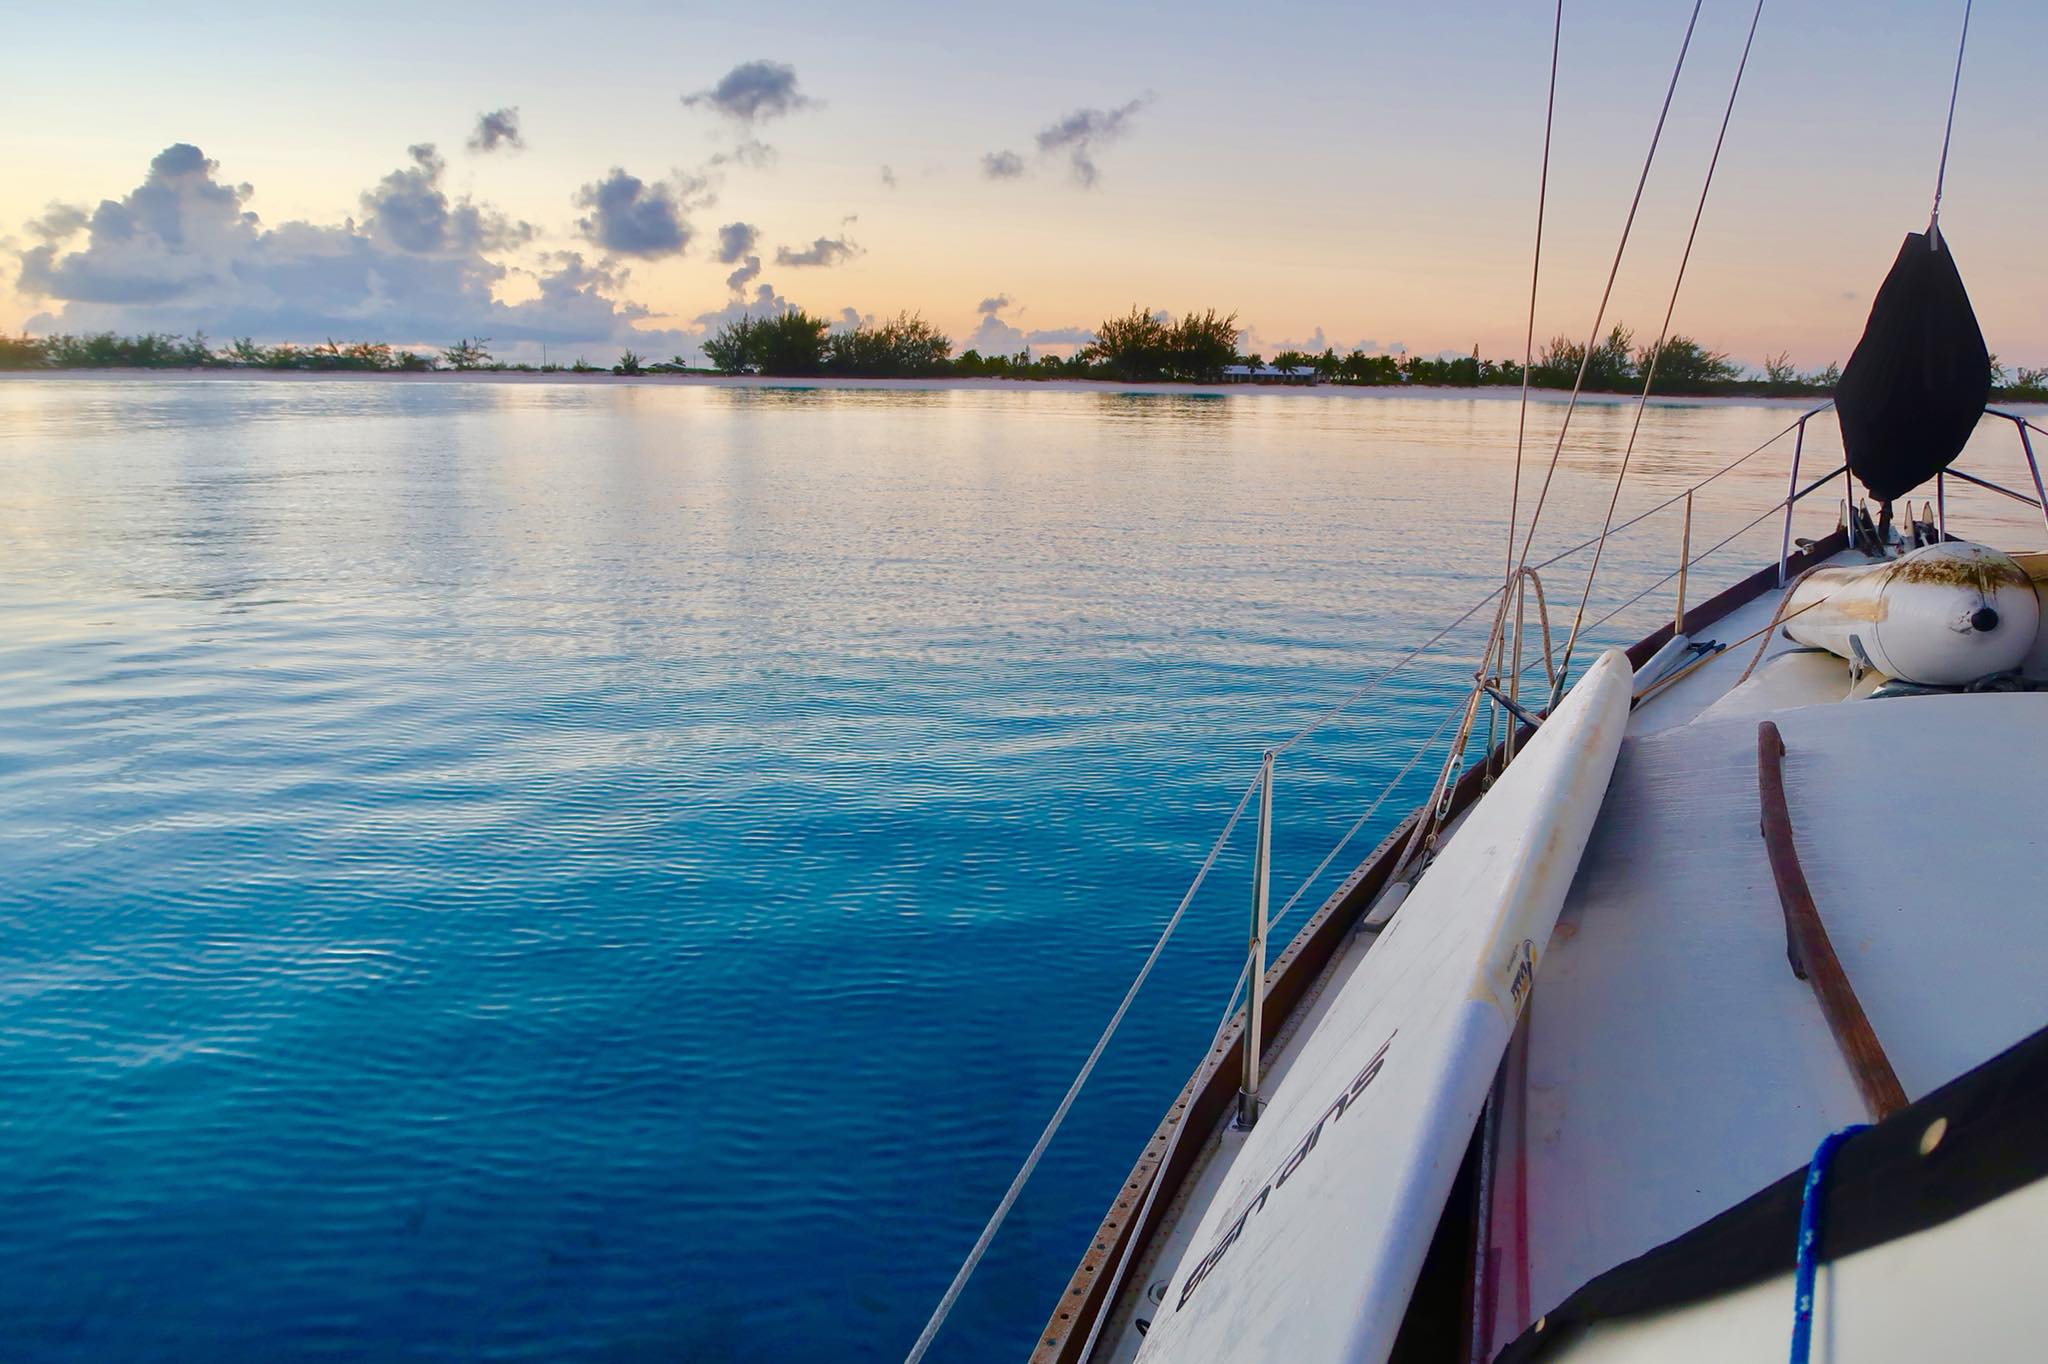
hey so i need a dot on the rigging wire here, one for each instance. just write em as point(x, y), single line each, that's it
point(1607, 294)
point(1345, 702)
point(1941, 173)
point(1656, 354)
point(1535, 276)
point(988, 1232)
point(1440, 794)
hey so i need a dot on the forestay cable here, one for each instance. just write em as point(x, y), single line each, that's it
point(1955, 87)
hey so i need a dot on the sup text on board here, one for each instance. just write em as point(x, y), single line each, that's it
point(1286, 1169)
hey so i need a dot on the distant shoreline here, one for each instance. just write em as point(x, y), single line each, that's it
point(1107, 387)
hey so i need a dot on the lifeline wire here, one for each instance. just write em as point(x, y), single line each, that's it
point(1123, 1262)
point(988, 1233)
point(1345, 702)
point(1656, 353)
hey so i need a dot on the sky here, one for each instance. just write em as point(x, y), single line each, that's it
point(1344, 175)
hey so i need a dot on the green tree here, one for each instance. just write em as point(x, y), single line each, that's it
point(23, 352)
point(791, 344)
point(1683, 365)
point(732, 350)
point(629, 363)
point(1133, 347)
point(468, 353)
point(1199, 345)
point(904, 347)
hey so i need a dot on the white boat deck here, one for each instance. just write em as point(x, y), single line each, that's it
point(1670, 1063)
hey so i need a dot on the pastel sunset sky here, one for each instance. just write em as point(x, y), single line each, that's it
point(1352, 175)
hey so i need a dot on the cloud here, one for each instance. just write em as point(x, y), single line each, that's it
point(750, 151)
point(1081, 132)
point(764, 302)
point(409, 210)
point(630, 217)
point(498, 128)
point(753, 92)
point(1318, 341)
point(749, 271)
point(825, 251)
point(994, 335)
point(888, 177)
point(1002, 165)
point(59, 222)
point(182, 252)
point(736, 240)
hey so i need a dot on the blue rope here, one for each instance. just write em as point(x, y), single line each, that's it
point(1809, 1240)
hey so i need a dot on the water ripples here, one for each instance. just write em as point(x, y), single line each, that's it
point(515, 872)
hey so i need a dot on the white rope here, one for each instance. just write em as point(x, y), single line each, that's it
point(1425, 830)
point(988, 1232)
point(1571, 640)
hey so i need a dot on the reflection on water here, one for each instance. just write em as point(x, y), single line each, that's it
point(581, 872)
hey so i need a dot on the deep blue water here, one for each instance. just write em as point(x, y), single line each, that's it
point(588, 873)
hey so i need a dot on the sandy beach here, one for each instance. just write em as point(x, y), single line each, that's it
point(1343, 392)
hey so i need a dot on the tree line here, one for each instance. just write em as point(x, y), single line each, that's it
point(1141, 346)
point(168, 350)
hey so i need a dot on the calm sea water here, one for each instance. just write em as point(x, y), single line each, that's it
point(620, 873)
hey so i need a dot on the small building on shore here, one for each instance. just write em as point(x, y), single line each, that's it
point(1269, 374)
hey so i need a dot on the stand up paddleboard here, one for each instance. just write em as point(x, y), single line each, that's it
point(1315, 1245)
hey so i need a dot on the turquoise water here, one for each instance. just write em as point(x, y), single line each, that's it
point(614, 873)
